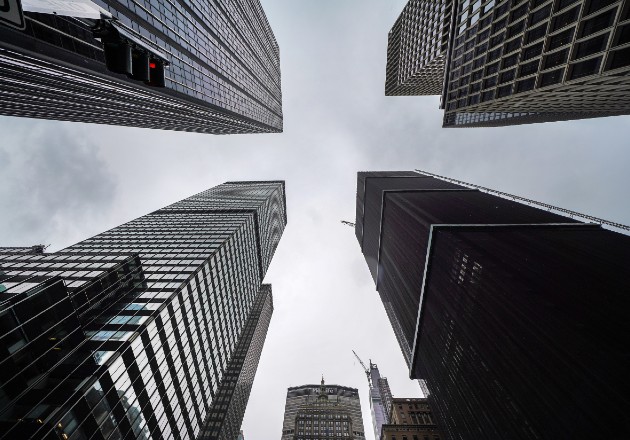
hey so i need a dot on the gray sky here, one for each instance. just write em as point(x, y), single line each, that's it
point(63, 182)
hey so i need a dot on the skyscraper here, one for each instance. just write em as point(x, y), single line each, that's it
point(416, 49)
point(514, 315)
point(380, 396)
point(323, 412)
point(514, 61)
point(210, 67)
point(151, 330)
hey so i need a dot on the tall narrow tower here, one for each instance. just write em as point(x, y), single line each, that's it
point(151, 330)
point(380, 396)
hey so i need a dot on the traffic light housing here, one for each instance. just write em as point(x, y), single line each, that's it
point(156, 73)
point(127, 54)
point(118, 57)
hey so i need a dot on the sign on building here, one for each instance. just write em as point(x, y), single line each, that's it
point(11, 14)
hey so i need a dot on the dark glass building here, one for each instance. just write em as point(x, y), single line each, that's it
point(514, 315)
point(506, 62)
point(324, 412)
point(151, 330)
point(210, 67)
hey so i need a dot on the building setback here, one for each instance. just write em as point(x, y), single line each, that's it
point(514, 61)
point(514, 315)
point(410, 419)
point(322, 412)
point(151, 330)
point(209, 67)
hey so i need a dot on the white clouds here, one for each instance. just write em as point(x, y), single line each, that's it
point(52, 183)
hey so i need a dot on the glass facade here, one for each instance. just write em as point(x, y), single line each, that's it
point(222, 70)
point(513, 315)
point(137, 332)
point(522, 61)
point(226, 416)
point(327, 412)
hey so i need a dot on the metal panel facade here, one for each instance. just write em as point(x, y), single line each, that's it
point(513, 315)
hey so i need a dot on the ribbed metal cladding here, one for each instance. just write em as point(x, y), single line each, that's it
point(513, 315)
point(524, 333)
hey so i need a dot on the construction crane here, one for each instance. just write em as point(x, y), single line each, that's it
point(366, 369)
point(352, 226)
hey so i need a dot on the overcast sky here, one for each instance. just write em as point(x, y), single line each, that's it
point(64, 182)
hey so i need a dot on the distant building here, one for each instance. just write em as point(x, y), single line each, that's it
point(379, 394)
point(324, 412)
point(380, 399)
point(207, 67)
point(515, 313)
point(509, 62)
point(410, 419)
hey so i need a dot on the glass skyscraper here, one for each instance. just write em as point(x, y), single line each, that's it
point(506, 62)
point(210, 67)
point(151, 330)
point(513, 312)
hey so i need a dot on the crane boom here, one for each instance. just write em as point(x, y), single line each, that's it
point(365, 369)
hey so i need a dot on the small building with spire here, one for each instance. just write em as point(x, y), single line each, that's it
point(330, 412)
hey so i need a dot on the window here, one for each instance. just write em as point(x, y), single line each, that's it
point(619, 58)
point(525, 85)
point(553, 77)
point(556, 58)
point(595, 24)
point(565, 19)
point(585, 68)
point(561, 39)
point(591, 46)
point(539, 15)
point(528, 69)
